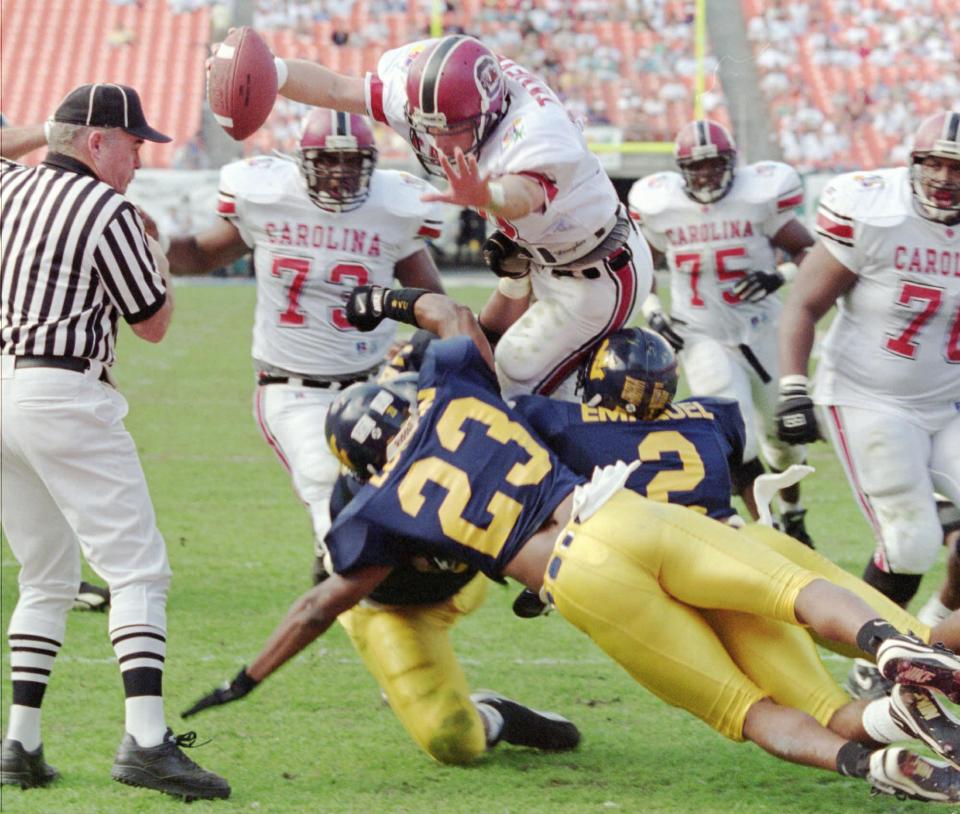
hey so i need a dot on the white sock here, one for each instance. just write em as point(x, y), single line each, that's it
point(880, 726)
point(492, 722)
point(789, 507)
point(933, 612)
point(24, 726)
point(145, 721)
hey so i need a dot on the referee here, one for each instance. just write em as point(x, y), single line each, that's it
point(74, 259)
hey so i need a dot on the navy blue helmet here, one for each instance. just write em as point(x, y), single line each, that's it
point(633, 369)
point(361, 424)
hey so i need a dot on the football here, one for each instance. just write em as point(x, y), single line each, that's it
point(241, 83)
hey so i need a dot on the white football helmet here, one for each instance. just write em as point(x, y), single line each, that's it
point(935, 167)
point(337, 154)
point(707, 157)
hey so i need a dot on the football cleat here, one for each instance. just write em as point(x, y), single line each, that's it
point(166, 768)
point(91, 597)
point(909, 776)
point(906, 660)
point(865, 681)
point(523, 726)
point(794, 526)
point(918, 713)
point(18, 767)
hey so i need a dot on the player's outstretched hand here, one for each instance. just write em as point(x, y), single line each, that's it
point(467, 186)
point(234, 690)
point(758, 285)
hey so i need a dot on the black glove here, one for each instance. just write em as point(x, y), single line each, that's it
point(527, 605)
point(369, 305)
point(796, 418)
point(758, 285)
point(230, 691)
point(658, 322)
point(503, 257)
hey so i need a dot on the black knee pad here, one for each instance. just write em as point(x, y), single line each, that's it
point(901, 588)
point(745, 474)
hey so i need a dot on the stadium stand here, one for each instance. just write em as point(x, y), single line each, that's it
point(846, 80)
point(626, 63)
point(158, 48)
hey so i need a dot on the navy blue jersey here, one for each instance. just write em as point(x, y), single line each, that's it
point(418, 581)
point(687, 451)
point(471, 484)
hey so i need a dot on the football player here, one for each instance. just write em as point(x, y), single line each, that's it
point(462, 476)
point(506, 147)
point(403, 634)
point(887, 387)
point(317, 226)
point(720, 228)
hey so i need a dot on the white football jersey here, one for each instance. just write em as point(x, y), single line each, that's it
point(307, 260)
point(894, 344)
point(536, 138)
point(710, 247)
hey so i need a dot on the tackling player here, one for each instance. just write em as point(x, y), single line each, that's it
point(464, 477)
point(317, 226)
point(887, 386)
point(720, 228)
point(507, 148)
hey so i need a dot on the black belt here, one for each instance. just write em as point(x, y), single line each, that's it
point(323, 384)
point(62, 362)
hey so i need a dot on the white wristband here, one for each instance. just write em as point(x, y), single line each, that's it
point(498, 195)
point(788, 270)
point(282, 72)
point(651, 305)
point(794, 380)
point(514, 288)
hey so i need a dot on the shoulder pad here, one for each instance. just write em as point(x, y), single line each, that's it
point(263, 178)
point(865, 196)
point(656, 193)
point(771, 182)
point(399, 194)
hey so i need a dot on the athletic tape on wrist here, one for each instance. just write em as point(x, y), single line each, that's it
point(283, 72)
point(514, 288)
point(794, 381)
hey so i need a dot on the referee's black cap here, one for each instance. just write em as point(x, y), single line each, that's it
point(107, 105)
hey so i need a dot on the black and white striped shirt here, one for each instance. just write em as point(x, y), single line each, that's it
point(73, 259)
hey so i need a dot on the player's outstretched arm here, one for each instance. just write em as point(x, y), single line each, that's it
point(309, 618)
point(314, 84)
point(509, 196)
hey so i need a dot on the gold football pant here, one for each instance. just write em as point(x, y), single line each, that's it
point(635, 576)
point(808, 558)
point(408, 651)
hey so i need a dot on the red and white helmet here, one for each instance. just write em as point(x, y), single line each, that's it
point(935, 166)
point(707, 156)
point(336, 155)
point(455, 91)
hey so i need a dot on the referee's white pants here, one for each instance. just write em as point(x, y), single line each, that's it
point(71, 482)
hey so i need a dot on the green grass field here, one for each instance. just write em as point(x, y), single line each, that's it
point(316, 737)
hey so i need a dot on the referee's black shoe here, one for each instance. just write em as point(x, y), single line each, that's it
point(18, 767)
point(166, 768)
point(92, 597)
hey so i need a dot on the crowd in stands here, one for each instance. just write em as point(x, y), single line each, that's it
point(626, 63)
point(847, 79)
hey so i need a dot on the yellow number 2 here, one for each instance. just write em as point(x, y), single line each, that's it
point(686, 479)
